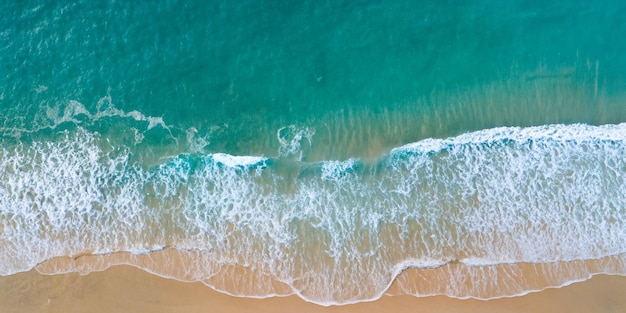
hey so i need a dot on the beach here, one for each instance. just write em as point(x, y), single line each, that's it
point(128, 289)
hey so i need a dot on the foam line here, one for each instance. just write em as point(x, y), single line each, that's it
point(544, 194)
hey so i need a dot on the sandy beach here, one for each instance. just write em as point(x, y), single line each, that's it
point(128, 289)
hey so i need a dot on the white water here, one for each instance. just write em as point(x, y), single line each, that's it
point(337, 231)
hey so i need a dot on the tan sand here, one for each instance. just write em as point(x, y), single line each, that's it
point(128, 289)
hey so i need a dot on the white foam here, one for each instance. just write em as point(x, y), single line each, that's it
point(559, 132)
point(335, 170)
point(536, 195)
point(238, 161)
point(290, 138)
point(65, 197)
point(75, 112)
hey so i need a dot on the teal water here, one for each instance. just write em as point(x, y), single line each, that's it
point(302, 134)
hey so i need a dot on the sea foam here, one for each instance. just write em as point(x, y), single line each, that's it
point(332, 232)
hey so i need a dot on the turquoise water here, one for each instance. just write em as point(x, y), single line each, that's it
point(302, 134)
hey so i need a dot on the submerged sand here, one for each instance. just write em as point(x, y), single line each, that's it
point(129, 289)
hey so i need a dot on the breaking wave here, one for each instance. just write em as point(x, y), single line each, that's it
point(457, 216)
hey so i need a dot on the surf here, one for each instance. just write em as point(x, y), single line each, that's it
point(335, 231)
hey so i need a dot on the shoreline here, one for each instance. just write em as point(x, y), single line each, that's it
point(125, 287)
point(492, 282)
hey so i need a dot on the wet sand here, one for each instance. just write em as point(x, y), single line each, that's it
point(128, 289)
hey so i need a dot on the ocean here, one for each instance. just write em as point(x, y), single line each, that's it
point(336, 150)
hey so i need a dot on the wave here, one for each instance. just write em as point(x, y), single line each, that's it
point(332, 232)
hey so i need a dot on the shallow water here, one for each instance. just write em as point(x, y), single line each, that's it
point(319, 149)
